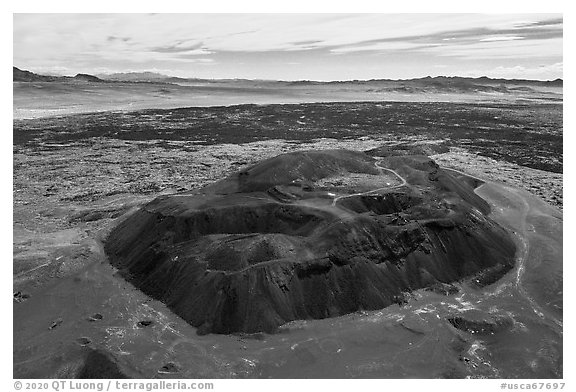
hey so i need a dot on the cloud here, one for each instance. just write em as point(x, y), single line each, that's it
point(178, 48)
point(546, 22)
point(500, 38)
point(540, 72)
point(275, 32)
point(193, 59)
point(54, 70)
point(454, 38)
point(502, 49)
point(382, 47)
point(261, 40)
point(307, 42)
point(111, 38)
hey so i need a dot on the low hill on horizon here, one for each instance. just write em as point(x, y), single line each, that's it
point(19, 75)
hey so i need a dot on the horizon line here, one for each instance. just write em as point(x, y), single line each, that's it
point(293, 80)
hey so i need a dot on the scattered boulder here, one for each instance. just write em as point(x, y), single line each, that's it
point(20, 296)
point(169, 368)
point(56, 323)
point(95, 317)
point(83, 341)
point(144, 323)
point(479, 323)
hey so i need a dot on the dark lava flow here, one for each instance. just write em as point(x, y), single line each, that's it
point(267, 245)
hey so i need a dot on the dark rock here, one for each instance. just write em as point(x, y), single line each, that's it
point(100, 364)
point(443, 288)
point(95, 317)
point(482, 324)
point(169, 368)
point(236, 257)
point(144, 323)
point(20, 296)
point(490, 275)
point(83, 341)
point(56, 323)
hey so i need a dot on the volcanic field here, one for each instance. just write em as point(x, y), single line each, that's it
point(361, 230)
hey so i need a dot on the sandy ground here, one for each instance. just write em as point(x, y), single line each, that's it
point(36, 100)
point(545, 185)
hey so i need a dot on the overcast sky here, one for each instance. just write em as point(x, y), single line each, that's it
point(292, 46)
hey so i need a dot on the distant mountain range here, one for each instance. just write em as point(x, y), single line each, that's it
point(135, 77)
point(449, 82)
point(27, 76)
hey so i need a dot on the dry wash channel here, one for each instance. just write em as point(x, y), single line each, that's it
point(268, 244)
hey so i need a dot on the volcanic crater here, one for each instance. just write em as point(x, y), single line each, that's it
point(290, 238)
